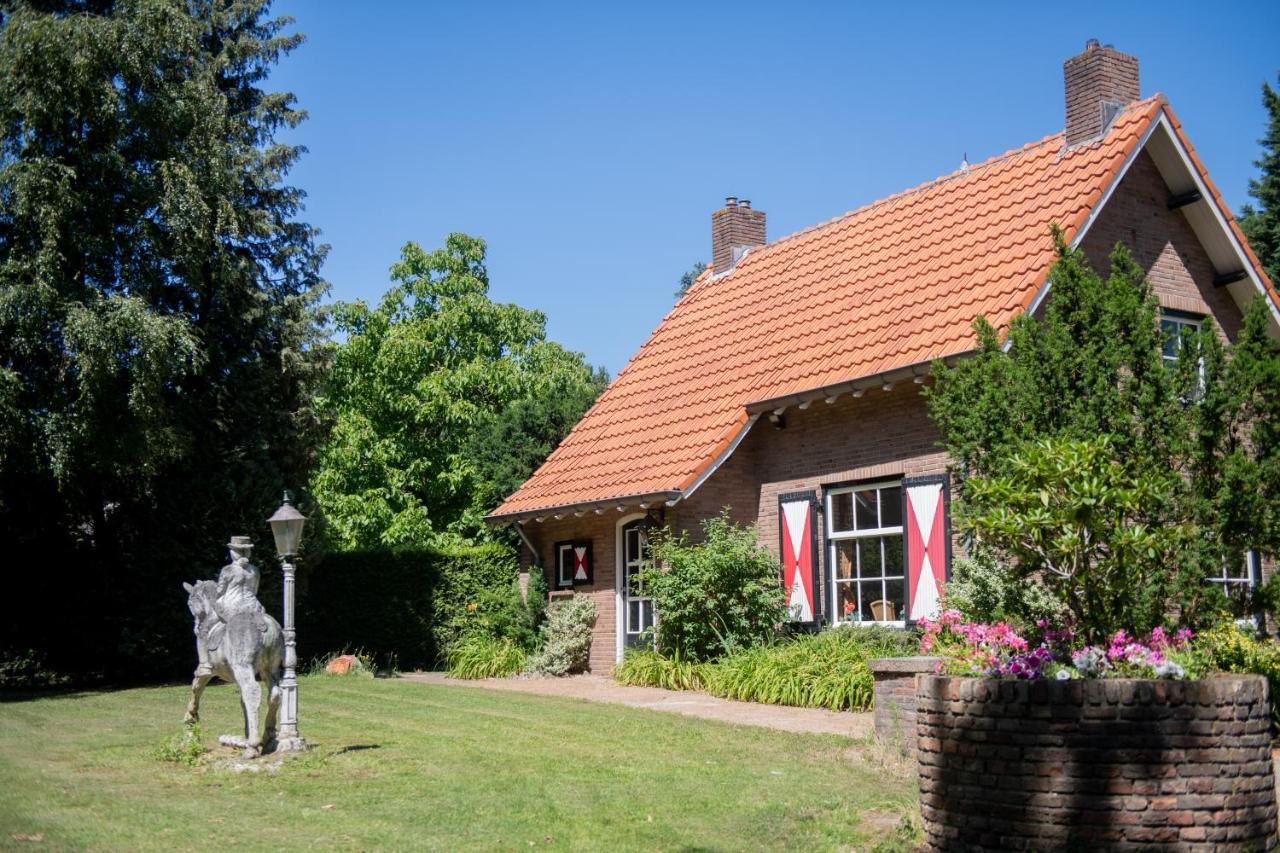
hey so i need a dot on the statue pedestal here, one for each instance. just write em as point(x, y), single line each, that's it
point(291, 744)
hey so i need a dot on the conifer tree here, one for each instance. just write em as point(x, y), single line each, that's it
point(1262, 224)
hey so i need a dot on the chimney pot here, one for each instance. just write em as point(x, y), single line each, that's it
point(734, 229)
point(1099, 81)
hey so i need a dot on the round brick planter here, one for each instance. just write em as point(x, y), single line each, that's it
point(1102, 764)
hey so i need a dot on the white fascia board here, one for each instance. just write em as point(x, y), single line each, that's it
point(720, 460)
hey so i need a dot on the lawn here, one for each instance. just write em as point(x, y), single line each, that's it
point(403, 765)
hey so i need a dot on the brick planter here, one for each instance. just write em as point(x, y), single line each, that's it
point(894, 693)
point(1052, 765)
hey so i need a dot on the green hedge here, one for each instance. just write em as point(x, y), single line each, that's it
point(395, 603)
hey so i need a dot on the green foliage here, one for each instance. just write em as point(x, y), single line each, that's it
point(1190, 475)
point(717, 596)
point(499, 613)
point(984, 590)
point(1068, 513)
point(25, 669)
point(1262, 224)
point(647, 668)
point(159, 333)
point(566, 637)
point(182, 748)
point(1228, 648)
point(480, 656)
point(407, 605)
point(687, 280)
point(825, 670)
point(421, 393)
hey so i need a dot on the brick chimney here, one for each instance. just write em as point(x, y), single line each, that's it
point(734, 229)
point(1099, 81)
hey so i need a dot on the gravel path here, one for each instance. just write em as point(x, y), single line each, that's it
point(596, 688)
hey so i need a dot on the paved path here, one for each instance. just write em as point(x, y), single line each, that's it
point(595, 688)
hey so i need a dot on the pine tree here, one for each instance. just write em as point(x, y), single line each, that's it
point(1262, 224)
point(158, 328)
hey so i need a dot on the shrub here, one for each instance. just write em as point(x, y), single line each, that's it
point(26, 669)
point(647, 668)
point(396, 604)
point(566, 637)
point(499, 613)
point(1227, 648)
point(715, 597)
point(825, 670)
point(984, 590)
point(1071, 514)
point(480, 656)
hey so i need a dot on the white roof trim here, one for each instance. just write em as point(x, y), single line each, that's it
point(720, 460)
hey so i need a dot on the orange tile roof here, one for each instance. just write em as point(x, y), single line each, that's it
point(894, 284)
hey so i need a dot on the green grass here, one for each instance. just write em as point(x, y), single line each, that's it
point(403, 765)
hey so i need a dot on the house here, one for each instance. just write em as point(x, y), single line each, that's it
point(786, 383)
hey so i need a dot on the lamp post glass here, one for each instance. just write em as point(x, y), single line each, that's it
point(286, 527)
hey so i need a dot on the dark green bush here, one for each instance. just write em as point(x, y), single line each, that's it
point(408, 603)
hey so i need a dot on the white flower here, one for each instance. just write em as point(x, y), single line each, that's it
point(1063, 675)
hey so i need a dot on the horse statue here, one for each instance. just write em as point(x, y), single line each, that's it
point(237, 641)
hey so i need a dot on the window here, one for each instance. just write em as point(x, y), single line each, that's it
point(864, 536)
point(638, 613)
point(1176, 326)
point(573, 564)
point(1237, 581)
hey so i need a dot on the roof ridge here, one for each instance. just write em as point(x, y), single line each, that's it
point(947, 177)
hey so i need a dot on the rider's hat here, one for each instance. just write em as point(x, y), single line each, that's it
point(240, 543)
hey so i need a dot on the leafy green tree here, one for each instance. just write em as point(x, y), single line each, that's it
point(158, 328)
point(1092, 366)
point(687, 280)
point(1262, 224)
point(420, 375)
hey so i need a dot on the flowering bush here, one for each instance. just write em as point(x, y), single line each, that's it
point(999, 651)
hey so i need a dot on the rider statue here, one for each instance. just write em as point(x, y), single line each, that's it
point(237, 593)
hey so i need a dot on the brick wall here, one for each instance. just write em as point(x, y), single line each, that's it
point(1110, 764)
point(1163, 244)
point(881, 435)
point(894, 694)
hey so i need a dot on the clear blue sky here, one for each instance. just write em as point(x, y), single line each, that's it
point(588, 143)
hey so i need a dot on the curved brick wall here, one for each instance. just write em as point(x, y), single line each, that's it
point(1052, 765)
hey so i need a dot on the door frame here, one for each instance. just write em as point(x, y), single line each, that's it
point(619, 576)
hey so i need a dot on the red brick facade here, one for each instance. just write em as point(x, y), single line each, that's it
point(882, 434)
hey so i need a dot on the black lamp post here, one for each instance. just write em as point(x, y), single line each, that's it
point(286, 527)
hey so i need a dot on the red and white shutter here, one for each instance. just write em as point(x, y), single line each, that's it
point(928, 545)
point(799, 555)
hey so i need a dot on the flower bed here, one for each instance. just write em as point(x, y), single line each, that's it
point(1047, 764)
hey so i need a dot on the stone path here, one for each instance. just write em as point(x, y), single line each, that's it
point(594, 688)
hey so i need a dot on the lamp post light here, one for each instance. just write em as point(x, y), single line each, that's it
point(286, 527)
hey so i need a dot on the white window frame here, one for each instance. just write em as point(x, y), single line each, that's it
point(834, 537)
point(1250, 569)
point(619, 583)
point(561, 581)
point(1183, 322)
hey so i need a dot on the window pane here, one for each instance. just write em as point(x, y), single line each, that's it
point(633, 545)
point(891, 507)
point(844, 559)
point(646, 610)
point(893, 556)
point(893, 592)
point(866, 509)
point(842, 512)
point(869, 557)
point(633, 617)
point(872, 596)
point(846, 604)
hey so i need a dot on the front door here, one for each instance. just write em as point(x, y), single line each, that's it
point(637, 608)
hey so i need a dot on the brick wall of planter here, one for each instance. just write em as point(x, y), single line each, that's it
point(1048, 765)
